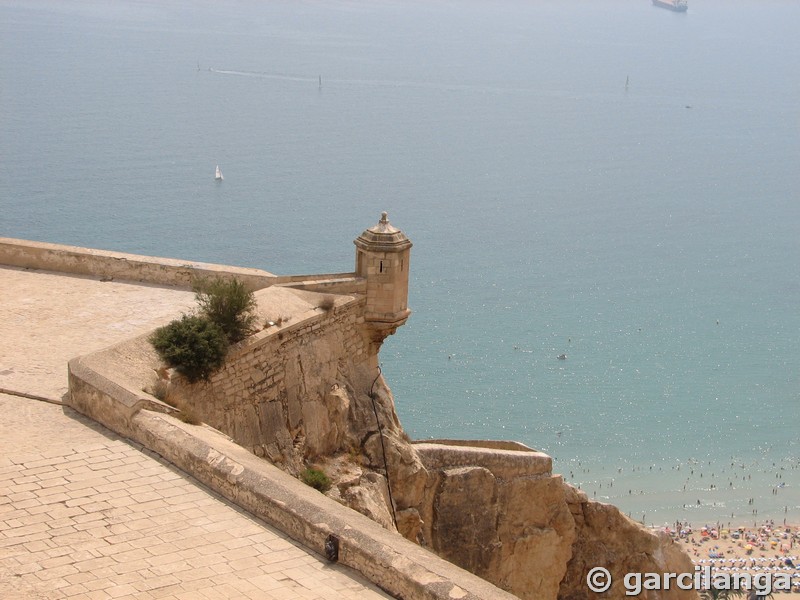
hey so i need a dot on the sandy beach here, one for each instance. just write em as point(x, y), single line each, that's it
point(767, 549)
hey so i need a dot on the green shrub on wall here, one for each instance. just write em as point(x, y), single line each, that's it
point(229, 304)
point(316, 479)
point(194, 345)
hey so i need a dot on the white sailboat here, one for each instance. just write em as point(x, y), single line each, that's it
point(218, 175)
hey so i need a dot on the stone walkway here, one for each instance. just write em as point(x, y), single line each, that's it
point(49, 318)
point(87, 514)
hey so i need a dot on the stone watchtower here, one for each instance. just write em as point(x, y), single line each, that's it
point(382, 258)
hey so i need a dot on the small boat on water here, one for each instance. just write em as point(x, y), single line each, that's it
point(218, 175)
point(676, 5)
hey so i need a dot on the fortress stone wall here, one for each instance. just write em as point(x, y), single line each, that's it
point(307, 391)
point(283, 395)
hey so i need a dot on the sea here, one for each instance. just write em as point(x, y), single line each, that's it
point(600, 179)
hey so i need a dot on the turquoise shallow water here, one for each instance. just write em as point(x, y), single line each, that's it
point(650, 233)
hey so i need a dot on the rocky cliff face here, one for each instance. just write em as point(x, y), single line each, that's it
point(606, 537)
point(515, 533)
point(311, 393)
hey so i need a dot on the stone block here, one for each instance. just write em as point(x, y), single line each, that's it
point(464, 517)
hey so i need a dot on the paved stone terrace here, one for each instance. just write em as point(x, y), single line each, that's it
point(49, 318)
point(86, 514)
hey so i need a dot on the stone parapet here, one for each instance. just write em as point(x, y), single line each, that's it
point(121, 266)
point(490, 444)
point(346, 283)
point(398, 566)
point(503, 464)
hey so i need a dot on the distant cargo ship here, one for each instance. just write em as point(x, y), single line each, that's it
point(676, 5)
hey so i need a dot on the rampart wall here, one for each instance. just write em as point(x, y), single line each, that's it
point(122, 266)
point(283, 395)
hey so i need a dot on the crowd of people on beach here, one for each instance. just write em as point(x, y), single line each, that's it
point(768, 548)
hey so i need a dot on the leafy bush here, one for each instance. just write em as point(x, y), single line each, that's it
point(316, 479)
point(194, 345)
point(229, 304)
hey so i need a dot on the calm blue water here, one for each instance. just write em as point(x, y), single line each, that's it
point(650, 233)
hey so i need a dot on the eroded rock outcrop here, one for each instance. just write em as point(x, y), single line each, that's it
point(497, 513)
point(605, 537)
point(497, 510)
